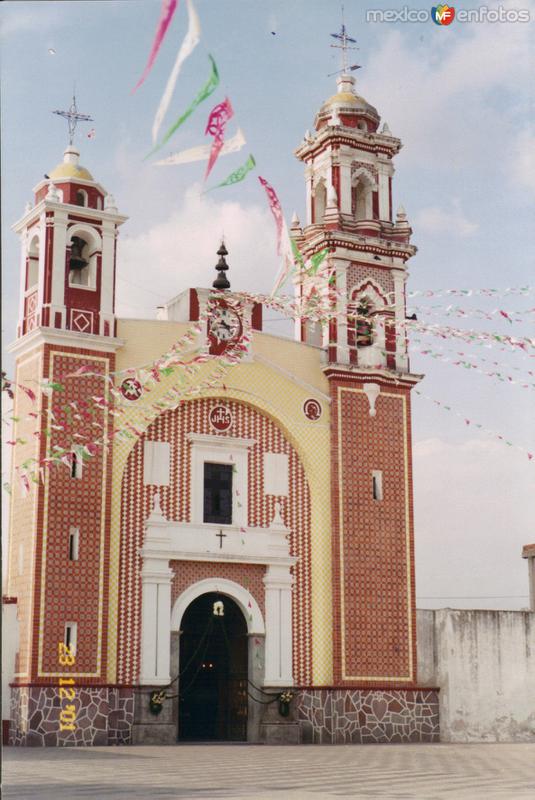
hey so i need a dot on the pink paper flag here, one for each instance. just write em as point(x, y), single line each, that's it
point(276, 210)
point(168, 9)
point(219, 116)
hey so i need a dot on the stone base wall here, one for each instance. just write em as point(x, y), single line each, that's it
point(104, 716)
point(362, 716)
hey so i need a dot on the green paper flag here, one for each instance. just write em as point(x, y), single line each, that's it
point(238, 174)
point(316, 260)
point(209, 87)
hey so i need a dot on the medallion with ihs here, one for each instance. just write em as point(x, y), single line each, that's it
point(225, 326)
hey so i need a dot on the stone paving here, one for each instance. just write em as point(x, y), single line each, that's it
point(255, 772)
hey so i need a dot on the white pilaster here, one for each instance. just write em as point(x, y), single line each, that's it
point(402, 362)
point(58, 259)
point(308, 180)
point(156, 579)
point(108, 255)
point(342, 349)
point(278, 654)
point(22, 277)
point(384, 169)
point(42, 257)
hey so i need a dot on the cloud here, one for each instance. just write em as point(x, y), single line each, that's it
point(469, 536)
point(180, 252)
point(449, 97)
point(523, 161)
point(447, 221)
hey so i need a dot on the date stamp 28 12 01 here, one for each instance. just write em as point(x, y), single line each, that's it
point(67, 715)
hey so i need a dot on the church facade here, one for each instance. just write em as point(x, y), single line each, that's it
point(227, 550)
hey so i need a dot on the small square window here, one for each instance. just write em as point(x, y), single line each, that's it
point(76, 465)
point(377, 484)
point(71, 633)
point(74, 536)
point(217, 493)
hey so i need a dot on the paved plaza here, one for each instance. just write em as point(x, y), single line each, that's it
point(208, 772)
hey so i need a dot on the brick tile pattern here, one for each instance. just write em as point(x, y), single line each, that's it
point(76, 590)
point(173, 426)
point(373, 560)
point(247, 575)
point(360, 716)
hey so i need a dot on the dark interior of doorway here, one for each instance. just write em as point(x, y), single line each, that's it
point(213, 672)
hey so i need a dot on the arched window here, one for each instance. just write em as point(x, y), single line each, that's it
point(320, 201)
point(79, 262)
point(33, 263)
point(361, 195)
point(81, 198)
point(364, 324)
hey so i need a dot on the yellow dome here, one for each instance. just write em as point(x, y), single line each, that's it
point(71, 171)
point(70, 168)
point(346, 98)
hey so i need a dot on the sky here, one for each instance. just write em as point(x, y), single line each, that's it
point(461, 98)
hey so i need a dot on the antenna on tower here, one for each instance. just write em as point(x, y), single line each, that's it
point(346, 43)
point(73, 117)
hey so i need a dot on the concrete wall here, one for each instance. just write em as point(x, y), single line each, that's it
point(484, 664)
point(10, 646)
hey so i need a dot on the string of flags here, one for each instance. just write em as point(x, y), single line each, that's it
point(470, 422)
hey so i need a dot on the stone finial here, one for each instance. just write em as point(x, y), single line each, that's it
point(109, 203)
point(295, 224)
point(332, 197)
point(308, 136)
point(386, 130)
point(401, 215)
point(53, 194)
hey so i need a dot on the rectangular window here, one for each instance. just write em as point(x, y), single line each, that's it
point(76, 465)
point(377, 484)
point(71, 630)
point(217, 493)
point(74, 536)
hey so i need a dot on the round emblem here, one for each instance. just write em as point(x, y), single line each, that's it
point(131, 389)
point(312, 409)
point(220, 418)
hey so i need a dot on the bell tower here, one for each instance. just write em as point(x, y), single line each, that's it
point(68, 251)
point(361, 286)
point(61, 480)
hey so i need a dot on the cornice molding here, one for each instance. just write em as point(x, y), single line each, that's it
point(41, 336)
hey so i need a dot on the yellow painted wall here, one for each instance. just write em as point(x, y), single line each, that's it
point(279, 378)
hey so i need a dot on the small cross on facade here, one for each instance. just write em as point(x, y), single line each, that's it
point(221, 536)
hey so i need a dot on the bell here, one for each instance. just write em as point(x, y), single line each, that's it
point(77, 262)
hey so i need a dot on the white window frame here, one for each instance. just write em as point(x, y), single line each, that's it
point(74, 535)
point(73, 636)
point(220, 450)
point(77, 467)
point(377, 485)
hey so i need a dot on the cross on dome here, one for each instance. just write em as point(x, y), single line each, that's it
point(344, 46)
point(73, 117)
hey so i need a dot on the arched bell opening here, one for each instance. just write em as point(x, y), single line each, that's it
point(213, 666)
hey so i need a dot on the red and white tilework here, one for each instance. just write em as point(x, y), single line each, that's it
point(136, 502)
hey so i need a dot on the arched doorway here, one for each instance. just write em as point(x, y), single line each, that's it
point(213, 671)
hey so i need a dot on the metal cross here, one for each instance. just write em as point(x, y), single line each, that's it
point(344, 47)
point(221, 536)
point(73, 117)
